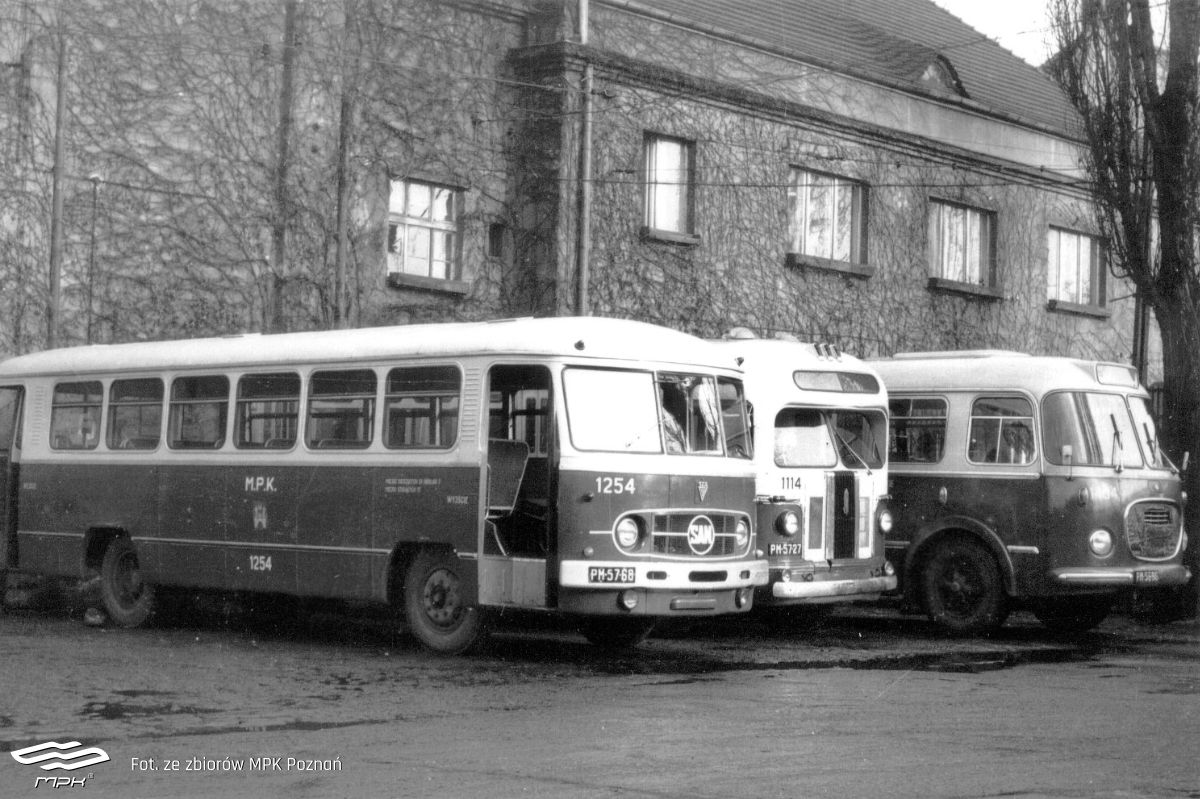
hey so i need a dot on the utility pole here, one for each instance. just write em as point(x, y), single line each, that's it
point(276, 279)
point(54, 305)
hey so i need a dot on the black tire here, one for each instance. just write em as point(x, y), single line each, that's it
point(127, 597)
point(1072, 614)
point(961, 588)
point(434, 608)
point(616, 633)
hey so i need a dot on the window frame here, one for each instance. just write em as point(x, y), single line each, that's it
point(939, 245)
point(1097, 286)
point(90, 409)
point(898, 424)
point(244, 403)
point(437, 410)
point(115, 405)
point(1003, 422)
point(400, 218)
point(801, 183)
point(682, 229)
point(365, 416)
point(177, 407)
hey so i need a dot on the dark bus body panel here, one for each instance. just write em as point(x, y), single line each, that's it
point(303, 530)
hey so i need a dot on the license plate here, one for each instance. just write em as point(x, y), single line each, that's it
point(785, 549)
point(1145, 577)
point(611, 575)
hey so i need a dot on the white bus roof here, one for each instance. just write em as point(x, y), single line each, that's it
point(770, 366)
point(577, 337)
point(967, 370)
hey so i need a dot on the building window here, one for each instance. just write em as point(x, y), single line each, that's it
point(826, 217)
point(669, 175)
point(1076, 268)
point(962, 244)
point(423, 230)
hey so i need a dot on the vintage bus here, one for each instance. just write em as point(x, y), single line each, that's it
point(1032, 482)
point(575, 465)
point(819, 427)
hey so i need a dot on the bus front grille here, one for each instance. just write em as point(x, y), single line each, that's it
point(1152, 530)
point(670, 536)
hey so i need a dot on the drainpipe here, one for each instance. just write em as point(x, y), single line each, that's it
point(583, 235)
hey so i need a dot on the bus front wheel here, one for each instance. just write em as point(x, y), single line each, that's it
point(434, 607)
point(127, 597)
point(961, 588)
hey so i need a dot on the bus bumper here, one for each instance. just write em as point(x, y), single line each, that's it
point(869, 586)
point(657, 576)
point(1141, 576)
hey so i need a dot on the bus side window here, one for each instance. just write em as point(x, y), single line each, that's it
point(75, 415)
point(341, 409)
point(1001, 431)
point(918, 430)
point(268, 411)
point(421, 407)
point(135, 413)
point(199, 410)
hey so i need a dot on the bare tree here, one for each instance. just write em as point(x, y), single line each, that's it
point(1136, 93)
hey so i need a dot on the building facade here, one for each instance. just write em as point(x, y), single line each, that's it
point(869, 173)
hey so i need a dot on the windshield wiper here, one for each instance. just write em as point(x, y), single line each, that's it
point(1118, 447)
point(850, 449)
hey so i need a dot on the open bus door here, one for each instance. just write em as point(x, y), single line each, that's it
point(10, 449)
point(519, 542)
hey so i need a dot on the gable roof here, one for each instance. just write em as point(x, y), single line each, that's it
point(911, 44)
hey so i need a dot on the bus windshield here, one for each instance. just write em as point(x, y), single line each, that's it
point(808, 437)
point(618, 411)
point(1143, 422)
point(1096, 426)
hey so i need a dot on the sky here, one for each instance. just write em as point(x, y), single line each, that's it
point(1020, 26)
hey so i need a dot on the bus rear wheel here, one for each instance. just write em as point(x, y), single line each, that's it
point(1072, 614)
point(434, 607)
point(619, 633)
point(127, 597)
point(961, 588)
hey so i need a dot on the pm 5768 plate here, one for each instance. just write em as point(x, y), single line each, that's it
point(612, 575)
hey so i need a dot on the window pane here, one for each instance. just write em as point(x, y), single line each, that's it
point(443, 205)
point(268, 410)
point(420, 200)
point(341, 409)
point(667, 177)
point(819, 234)
point(135, 414)
point(416, 253)
point(1001, 431)
point(611, 411)
point(918, 430)
point(199, 410)
point(75, 415)
point(422, 407)
point(802, 438)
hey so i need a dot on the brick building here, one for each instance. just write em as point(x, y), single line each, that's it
point(870, 173)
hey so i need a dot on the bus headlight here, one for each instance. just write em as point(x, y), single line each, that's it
point(742, 534)
point(1101, 543)
point(788, 523)
point(629, 532)
point(885, 522)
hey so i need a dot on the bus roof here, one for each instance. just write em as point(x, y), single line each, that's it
point(771, 365)
point(999, 370)
point(577, 337)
